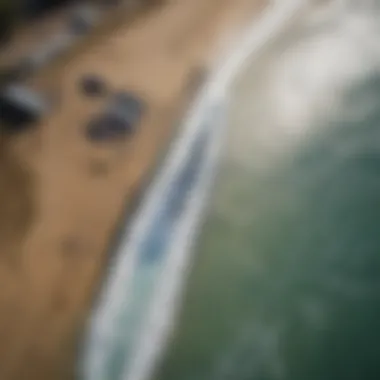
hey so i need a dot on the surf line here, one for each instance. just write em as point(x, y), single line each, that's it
point(140, 300)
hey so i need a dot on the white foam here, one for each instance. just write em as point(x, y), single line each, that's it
point(302, 83)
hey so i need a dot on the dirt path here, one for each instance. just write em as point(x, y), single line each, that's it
point(74, 192)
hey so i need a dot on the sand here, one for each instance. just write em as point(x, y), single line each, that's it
point(63, 197)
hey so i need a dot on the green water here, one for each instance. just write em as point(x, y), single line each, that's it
point(286, 278)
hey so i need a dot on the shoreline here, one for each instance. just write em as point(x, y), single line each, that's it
point(159, 325)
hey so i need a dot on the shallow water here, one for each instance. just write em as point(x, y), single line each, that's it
point(285, 283)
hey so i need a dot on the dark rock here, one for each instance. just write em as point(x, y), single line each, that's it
point(93, 85)
point(20, 107)
point(128, 106)
point(120, 119)
point(108, 127)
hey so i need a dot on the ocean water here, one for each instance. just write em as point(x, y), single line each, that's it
point(285, 283)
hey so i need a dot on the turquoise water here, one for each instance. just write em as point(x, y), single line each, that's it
point(286, 278)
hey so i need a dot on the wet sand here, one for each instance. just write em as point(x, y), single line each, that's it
point(63, 197)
